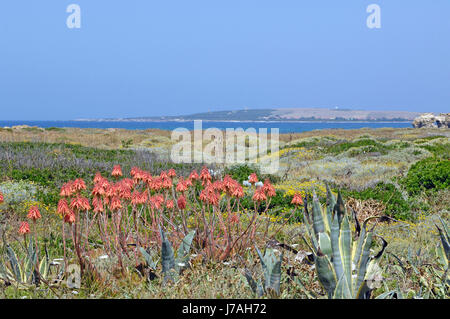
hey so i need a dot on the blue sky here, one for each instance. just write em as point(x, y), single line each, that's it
point(167, 57)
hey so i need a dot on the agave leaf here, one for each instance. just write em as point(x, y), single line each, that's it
point(361, 240)
point(148, 258)
point(251, 282)
point(345, 239)
point(331, 202)
point(261, 258)
point(168, 260)
point(318, 224)
point(325, 244)
point(326, 274)
point(445, 227)
point(275, 275)
point(183, 250)
point(342, 290)
point(43, 267)
point(314, 243)
point(386, 295)
point(30, 263)
point(15, 266)
point(337, 259)
point(363, 260)
point(445, 243)
point(339, 208)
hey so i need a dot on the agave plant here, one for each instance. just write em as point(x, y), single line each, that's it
point(172, 266)
point(271, 266)
point(342, 260)
point(23, 272)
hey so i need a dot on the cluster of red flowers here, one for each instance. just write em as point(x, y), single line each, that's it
point(112, 194)
point(1, 198)
point(34, 215)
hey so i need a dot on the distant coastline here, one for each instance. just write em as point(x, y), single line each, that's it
point(294, 115)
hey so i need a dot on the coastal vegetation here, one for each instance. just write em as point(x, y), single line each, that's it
point(350, 214)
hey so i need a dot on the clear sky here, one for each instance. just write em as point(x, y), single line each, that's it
point(168, 57)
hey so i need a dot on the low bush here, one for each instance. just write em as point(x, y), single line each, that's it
point(428, 175)
point(396, 205)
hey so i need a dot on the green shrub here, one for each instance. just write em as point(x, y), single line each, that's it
point(428, 175)
point(373, 145)
point(396, 205)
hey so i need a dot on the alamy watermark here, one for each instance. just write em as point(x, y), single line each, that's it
point(229, 146)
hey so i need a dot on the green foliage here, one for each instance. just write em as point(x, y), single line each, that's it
point(370, 144)
point(396, 205)
point(241, 172)
point(428, 175)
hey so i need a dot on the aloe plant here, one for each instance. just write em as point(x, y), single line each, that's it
point(342, 259)
point(23, 272)
point(271, 266)
point(172, 265)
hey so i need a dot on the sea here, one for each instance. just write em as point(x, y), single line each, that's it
point(284, 127)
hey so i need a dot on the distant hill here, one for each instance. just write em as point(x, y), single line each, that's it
point(283, 114)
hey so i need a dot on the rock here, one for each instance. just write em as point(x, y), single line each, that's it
point(429, 120)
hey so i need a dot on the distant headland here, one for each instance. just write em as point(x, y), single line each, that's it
point(281, 115)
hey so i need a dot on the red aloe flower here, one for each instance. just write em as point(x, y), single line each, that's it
point(1, 198)
point(205, 175)
point(69, 217)
point(181, 186)
point(169, 204)
point(172, 173)
point(67, 189)
point(238, 192)
point(181, 202)
point(193, 176)
point(115, 203)
point(259, 195)
point(24, 228)
point(34, 213)
point(98, 178)
point(80, 203)
point(117, 171)
point(269, 189)
point(79, 184)
point(63, 207)
point(98, 205)
point(297, 200)
point(253, 178)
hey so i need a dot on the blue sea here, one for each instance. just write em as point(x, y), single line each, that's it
point(284, 127)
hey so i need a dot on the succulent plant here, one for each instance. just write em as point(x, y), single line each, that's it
point(23, 272)
point(171, 265)
point(342, 260)
point(271, 266)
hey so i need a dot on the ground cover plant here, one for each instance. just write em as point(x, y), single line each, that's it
point(351, 214)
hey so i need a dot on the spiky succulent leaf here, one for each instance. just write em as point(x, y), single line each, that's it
point(318, 224)
point(325, 244)
point(167, 256)
point(363, 260)
point(345, 238)
point(342, 290)
point(15, 266)
point(326, 274)
point(339, 208)
point(183, 251)
point(337, 259)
